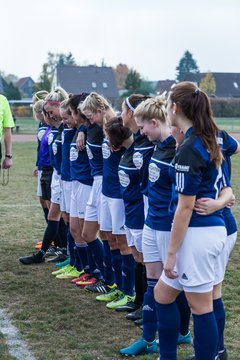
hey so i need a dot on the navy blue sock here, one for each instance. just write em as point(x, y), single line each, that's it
point(50, 234)
point(220, 316)
point(128, 270)
point(168, 324)
point(78, 261)
point(117, 266)
point(140, 283)
point(185, 313)
point(71, 245)
point(45, 212)
point(149, 312)
point(91, 268)
point(205, 336)
point(82, 254)
point(108, 269)
point(96, 247)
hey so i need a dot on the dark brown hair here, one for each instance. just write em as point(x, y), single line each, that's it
point(195, 105)
point(116, 132)
point(135, 99)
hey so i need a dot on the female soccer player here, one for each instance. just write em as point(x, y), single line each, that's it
point(196, 241)
point(98, 110)
point(51, 111)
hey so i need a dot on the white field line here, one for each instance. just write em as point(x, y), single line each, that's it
point(16, 346)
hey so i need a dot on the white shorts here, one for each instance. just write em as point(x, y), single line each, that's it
point(55, 188)
point(66, 196)
point(196, 259)
point(134, 238)
point(146, 205)
point(93, 204)
point(39, 188)
point(222, 259)
point(79, 198)
point(154, 244)
point(112, 215)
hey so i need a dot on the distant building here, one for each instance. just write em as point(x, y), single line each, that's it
point(25, 86)
point(164, 85)
point(76, 79)
point(227, 84)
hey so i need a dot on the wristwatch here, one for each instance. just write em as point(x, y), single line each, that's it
point(8, 156)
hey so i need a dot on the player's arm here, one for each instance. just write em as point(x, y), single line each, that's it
point(7, 162)
point(207, 206)
point(180, 225)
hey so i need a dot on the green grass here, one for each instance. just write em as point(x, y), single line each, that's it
point(229, 124)
point(60, 321)
point(27, 125)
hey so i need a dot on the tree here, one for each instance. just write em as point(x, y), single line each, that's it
point(186, 65)
point(208, 84)
point(46, 76)
point(121, 72)
point(133, 80)
point(45, 79)
point(12, 92)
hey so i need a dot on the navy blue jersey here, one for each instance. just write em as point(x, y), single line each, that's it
point(143, 149)
point(51, 137)
point(160, 186)
point(67, 136)
point(79, 164)
point(129, 178)
point(111, 159)
point(41, 130)
point(94, 149)
point(228, 145)
point(194, 173)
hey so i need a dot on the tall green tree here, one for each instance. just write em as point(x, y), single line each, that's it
point(208, 84)
point(133, 81)
point(12, 92)
point(187, 64)
point(45, 79)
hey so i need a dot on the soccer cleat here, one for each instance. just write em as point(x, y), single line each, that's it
point(73, 281)
point(130, 306)
point(184, 339)
point(140, 346)
point(72, 273)
point(62, 270)
point(110, 296)
point(120, 301)
point(60, 257)
point(100, 287)
point(135, 315)
point(64, 263)
point(138, 322)
point(223, 355)
point(53, 251)
point(32, 259)
point(90, 280)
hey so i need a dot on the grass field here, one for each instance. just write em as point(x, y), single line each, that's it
point(29, 125)
point(56, 319)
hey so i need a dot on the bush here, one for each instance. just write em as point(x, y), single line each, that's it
point(225, 107)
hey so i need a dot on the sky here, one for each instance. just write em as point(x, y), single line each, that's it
point(149, 36)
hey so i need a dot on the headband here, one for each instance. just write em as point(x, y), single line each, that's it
point(53, 102)
point(129, 105)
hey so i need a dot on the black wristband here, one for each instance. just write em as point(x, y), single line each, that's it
point(8, 156)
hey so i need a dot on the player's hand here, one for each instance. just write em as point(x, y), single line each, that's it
point(232, 202)
point(169, 265)
point(7, 163)
point(80, 142)
point(206, 206)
